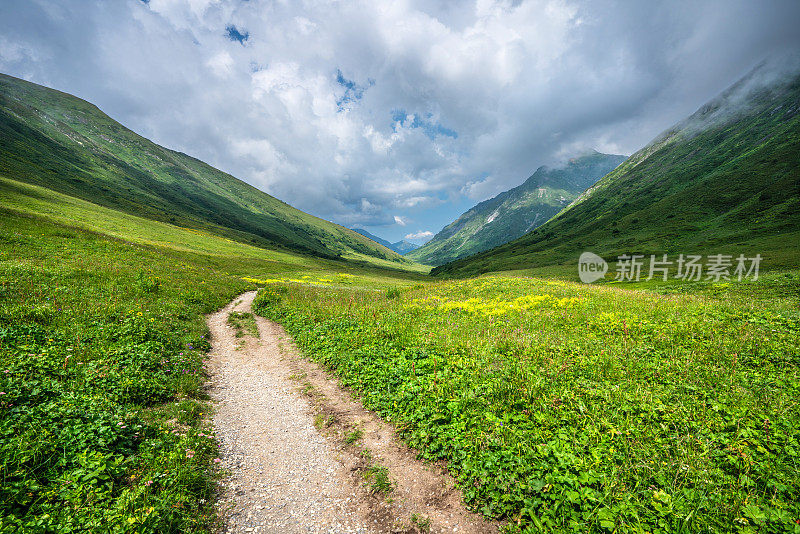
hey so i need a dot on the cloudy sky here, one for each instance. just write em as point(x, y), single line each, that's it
point(392, 115)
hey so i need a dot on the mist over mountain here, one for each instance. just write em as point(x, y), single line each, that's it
point(726, 178)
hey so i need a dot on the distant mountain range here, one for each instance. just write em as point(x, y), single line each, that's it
point(726, 179)
point(401, 247)
point(58, 141)
point(517, 211)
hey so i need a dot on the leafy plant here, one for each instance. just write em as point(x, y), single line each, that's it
point(561, 407)
point(377, 477)
point(244, 323)
point(353, 436)
point(422, 522)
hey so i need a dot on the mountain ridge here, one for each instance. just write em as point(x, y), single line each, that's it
point(401, 247)
point(56, 140)
point(726, 178)
point(515, 212)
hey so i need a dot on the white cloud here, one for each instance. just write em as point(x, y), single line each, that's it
point(13, 52)
point(421, 201)
point(400, 220)
point(419, 235)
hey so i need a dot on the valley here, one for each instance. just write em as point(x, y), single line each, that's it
point(726, 178)
point(182, 352)
point(516, 212)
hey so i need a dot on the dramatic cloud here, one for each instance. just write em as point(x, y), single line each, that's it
point(385, 113)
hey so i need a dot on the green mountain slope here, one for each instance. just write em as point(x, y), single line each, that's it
point(401, 247)
point(517, 211)
point(55, 140)
point(726, 179)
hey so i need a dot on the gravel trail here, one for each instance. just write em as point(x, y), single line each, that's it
point(289, 476)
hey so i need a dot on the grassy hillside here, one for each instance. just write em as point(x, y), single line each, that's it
point(727, 179)
point(513, 213)
point(34, 201)
point(559, 407)
point(66, 144)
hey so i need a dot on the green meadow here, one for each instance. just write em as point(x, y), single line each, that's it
point(563, 407)
point(650, 407)
point(103, 418)
point(559, 407)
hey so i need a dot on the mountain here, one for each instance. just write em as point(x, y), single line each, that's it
point(401, 247)
point(58, 141)
point(517, 211)
point(726, 179)
point(404, 247)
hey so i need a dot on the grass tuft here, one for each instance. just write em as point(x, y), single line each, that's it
point(353, 436)
point(377, 479)
point(244, 323)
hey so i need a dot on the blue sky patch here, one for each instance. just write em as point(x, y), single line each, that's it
point(352, 91)
point(429, 127)
point(235, 35)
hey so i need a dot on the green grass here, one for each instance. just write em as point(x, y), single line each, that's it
point(63, 209)
point(378, 480)
point(103, 420)
point(101, 351)
point(353, 436)
point(423, 523)
point(322, 421)
point(247, 260)
point(637, 407)
point(244, 323)
point(562, 407)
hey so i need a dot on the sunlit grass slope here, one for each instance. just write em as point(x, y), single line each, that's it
point(57, 207)
point(562, 407)
point(103, 426)
point(66, 144)
point(725, 180)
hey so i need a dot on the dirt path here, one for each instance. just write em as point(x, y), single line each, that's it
point(282, 423)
